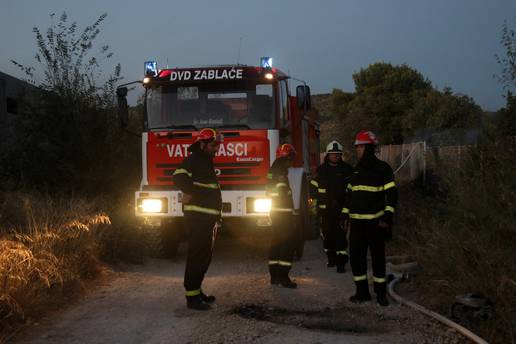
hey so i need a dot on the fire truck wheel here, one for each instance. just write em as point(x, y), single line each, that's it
point(163, 241)
point(153, 242)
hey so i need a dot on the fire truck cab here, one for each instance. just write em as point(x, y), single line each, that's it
point(254, 110)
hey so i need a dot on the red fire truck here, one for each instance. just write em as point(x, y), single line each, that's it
point(254, 110)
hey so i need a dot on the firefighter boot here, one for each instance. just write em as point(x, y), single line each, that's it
point(273, 271)
point(341, 261)
point(381, 294)
point(331, 258)
point(284, 279)
point(196, 302)
point(362, 293)
point(207, 298)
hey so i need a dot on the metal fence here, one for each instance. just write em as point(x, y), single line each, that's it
point(407, 160)
point(413, 160)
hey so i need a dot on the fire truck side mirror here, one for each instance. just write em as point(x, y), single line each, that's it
point(303, 97)
point(123, 110)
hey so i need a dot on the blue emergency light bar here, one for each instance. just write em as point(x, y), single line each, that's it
point(266, 62)
point(151, 68)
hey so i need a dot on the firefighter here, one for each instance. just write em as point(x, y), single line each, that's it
point(328, 189)
point(202, 204)
point(370, 204)
point(282, 247)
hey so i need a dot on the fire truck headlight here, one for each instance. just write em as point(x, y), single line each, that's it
point(146, 80)
point(269, 76)
point(262, 205)
point(152, 205)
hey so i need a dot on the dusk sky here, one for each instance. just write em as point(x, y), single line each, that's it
point(451, 42)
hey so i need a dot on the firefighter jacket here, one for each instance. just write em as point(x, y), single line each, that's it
point(278, 187)
point(371, 191)
point(329, 185)
point(196, 177)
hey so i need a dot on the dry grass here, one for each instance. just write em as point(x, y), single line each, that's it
point(45, 245)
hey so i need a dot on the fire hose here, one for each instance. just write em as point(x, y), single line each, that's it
point(462, 330)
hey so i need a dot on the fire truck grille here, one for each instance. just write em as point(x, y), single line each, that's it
point(224, 178)
point(226, 171)
point(234, 171)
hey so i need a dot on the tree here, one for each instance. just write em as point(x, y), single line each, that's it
point(70, 68)
point(508, 62)
point(387, 92)
point(397, 102)
point(507, 115)
point(441, 111)
point(70, 142)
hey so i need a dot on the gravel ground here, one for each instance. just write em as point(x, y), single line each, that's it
point(145, 304)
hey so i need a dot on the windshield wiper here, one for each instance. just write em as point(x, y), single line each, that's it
point(186, 126)
point(233, 126)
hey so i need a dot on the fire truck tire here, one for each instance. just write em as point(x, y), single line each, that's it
point(153, 242)
point(163, 241)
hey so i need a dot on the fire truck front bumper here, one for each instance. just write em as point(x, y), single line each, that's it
point(249, 204)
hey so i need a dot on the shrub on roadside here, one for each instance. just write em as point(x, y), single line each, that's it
point(466, 241)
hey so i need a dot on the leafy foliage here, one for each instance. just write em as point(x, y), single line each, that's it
point(70, 70)
point(507, 115)
point(397, 102)
point(71, 141)
point(508, 62)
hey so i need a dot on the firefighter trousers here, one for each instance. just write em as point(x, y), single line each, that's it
point(281, 250)
point(201, 238)
point(366, 234)
point(334, 236)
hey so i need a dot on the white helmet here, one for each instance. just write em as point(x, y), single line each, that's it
point(334, 147)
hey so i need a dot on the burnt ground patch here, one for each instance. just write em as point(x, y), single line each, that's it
point(350, 320)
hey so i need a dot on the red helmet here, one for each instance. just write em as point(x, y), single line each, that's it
point(209, 134)
point(285, 150)
point(366, 137)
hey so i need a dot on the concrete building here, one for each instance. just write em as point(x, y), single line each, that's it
point(16, 96)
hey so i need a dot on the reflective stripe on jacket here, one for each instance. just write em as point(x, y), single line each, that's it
point(328, 186)
point(196, 177)
point(371, 192)
point(278, 187)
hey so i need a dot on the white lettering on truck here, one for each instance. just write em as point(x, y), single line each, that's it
point(232, 149)
point(178, 150)
point(180, 75)
point(238, 149)
point(207, 74)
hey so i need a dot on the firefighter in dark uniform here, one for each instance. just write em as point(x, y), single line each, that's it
point(282, 246)
point(202, 204)
point(328, 189)
point(370, 203)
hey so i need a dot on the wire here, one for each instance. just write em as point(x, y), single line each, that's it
point(406, 159)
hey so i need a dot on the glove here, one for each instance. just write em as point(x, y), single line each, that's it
point(387, 218)
point(385, 226)
point(218, 223)
point(313, 206)
point(387, 233)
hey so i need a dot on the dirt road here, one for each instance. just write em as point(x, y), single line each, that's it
point(145, 304)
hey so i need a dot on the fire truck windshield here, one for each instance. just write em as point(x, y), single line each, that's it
point(242, 103)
